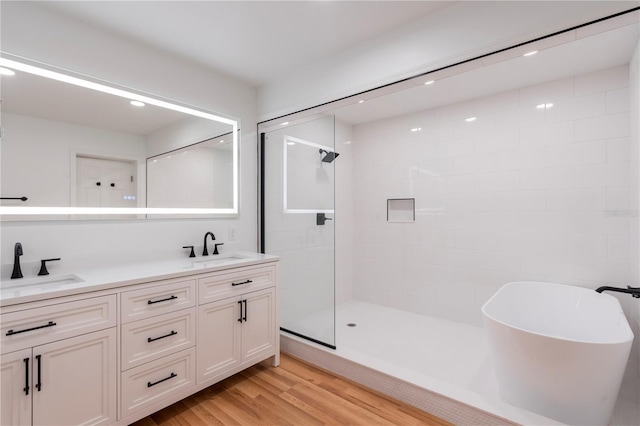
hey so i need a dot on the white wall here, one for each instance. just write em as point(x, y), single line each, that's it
point(519, 194)
point(455, 33)
point(67, 43)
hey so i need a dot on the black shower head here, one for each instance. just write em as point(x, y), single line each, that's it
point(329, 157)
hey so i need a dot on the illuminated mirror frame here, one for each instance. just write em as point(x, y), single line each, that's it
point(129, 95)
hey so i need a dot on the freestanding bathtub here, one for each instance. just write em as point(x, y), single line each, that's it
point(558, 350)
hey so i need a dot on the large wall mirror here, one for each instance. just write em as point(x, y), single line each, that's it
point(76, 147)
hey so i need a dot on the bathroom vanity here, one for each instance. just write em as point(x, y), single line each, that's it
point(113, 345)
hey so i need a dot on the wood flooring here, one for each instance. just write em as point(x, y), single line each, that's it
point(295, 394)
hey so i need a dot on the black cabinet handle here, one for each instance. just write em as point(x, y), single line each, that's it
point(11, 332)
point(39, 384)
point(151, 302)
point(245, 310)
point(192, 254)
point(153, 339)
point(113, 185)
point(243, 282)
point(26, 376)
point(240, 303)
point(98, 183)
point(149, 384)
point(43, 265)
point(14, 198)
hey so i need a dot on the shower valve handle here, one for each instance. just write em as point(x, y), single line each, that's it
point(321, 218)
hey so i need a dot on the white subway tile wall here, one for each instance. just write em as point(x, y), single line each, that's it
point(521, 193)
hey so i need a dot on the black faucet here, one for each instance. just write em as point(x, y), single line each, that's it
point(205, 252)
point(633, 291)
point(17, 252)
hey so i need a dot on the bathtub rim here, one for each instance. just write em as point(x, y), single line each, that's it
point(629, 338)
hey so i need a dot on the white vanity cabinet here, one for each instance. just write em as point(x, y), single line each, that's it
point(54, 380)
point(236, 321)
point(118, 353)
point(158, 336)
point(234, 332)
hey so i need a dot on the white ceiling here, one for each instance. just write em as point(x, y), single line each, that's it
point(600, 51)
point(256, 41)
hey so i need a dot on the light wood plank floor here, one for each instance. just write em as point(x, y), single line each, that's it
point(296, 394)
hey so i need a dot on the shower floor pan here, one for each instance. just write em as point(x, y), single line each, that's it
point(437, 365)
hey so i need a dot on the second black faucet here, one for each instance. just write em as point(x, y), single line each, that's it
point(205, 252)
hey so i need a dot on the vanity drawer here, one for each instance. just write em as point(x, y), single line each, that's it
point(152, 338)
point(167, 296)
point(227, 284)
point(158, 380)
point(46, 324)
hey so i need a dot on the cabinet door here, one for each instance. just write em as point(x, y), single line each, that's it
point(258, 326)
point(218, 338)
point(77, 379)
point(16, 389)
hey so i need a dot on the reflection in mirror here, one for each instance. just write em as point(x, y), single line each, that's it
point(75, 146)
point(197, 175)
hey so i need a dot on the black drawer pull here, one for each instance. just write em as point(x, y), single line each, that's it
point(39, 383)
point(240, 303)
point(11, 332)
point(243, 282)
point(151, 302)
point(244, 318)
point(153, 339)
point(26, 376)
point(149, 384)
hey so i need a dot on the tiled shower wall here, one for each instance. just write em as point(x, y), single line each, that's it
point(521, 193)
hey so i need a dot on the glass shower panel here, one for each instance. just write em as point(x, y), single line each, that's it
point(299, 187)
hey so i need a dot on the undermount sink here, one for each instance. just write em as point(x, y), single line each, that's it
point(48, 280)
point(217, 260)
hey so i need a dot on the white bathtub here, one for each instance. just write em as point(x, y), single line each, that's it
point(558, 350)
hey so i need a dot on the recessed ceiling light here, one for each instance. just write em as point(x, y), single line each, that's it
point(291, 143)
point(361, 101)
point(6, 71)
point(284, 123)
point(544, 106)
point(155, 161)
point(137, 103)
point(533, 52)
point(221, 141)
point(416, 129)
point(470, 119)
point(347, 142)
point(429, 82)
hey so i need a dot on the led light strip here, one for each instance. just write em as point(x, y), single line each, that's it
point(19, 66)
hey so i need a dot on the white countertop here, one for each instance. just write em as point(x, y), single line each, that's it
point(83, 277)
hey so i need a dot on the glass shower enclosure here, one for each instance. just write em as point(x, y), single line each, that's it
point(297, 203)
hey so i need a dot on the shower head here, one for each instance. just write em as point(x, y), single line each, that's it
point(329, 157)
